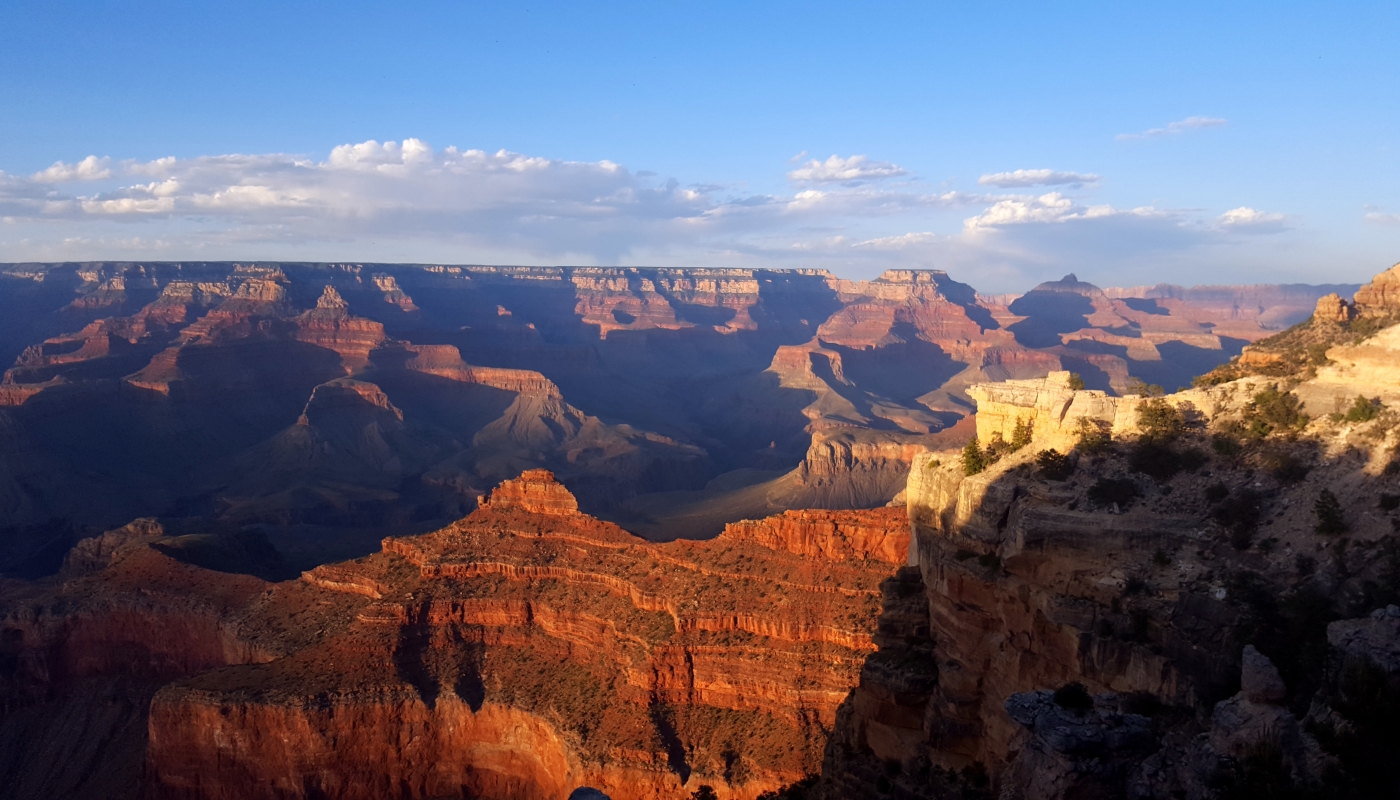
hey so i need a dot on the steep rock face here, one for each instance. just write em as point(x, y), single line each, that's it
point(530, 649)
point(1380, 297)
point(881, 534)
point(534, 492)
point(1149, 599)
point(330, 325)
point(1370, 369)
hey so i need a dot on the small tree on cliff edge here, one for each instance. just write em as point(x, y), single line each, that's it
point(1020, 435)
point(1330, 519)
point(973, 459)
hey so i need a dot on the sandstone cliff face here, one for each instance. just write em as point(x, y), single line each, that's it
point(1024, 584)
point(1380, 297)
point(522, 652)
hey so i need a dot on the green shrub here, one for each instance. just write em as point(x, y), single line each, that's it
point(974, 460)
point(1076, 381)
point(1111, 491)
point(1020, 435)
point(1362, 410)
point(1159, 420)
point(1053, 465)
point(1093, 436)
point(1287, 467)
point(1330, 519)
point(1273, 411)
point(1225, 445)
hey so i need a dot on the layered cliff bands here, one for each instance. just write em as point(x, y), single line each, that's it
point(631, 383)
point(521, 652)
point(1148, 618)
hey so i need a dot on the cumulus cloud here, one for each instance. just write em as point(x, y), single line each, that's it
point(836, 169)
point(1173, 128)
point(1249, 220)
point(1047, 208)
point(91, 168)
point(409, 201)
point(1036, 177)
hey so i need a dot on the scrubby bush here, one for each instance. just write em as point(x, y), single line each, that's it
point(974, 460)
point(1114, 491)
point(1160, 421)
point(793, 791)
point(1240, 513)
point(1076, 381)
point(1330, 519)
point(1273, 411)
point(1138, 387)
point(705, 792)
point(1053, 465)
point(1160, 558)
point(1225, 444)
point(1362, 410)
point(1093, 436)
point(1287, 467)
point(1020, 435)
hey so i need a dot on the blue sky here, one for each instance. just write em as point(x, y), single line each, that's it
point(1184, 142)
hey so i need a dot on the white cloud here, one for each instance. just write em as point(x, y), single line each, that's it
point(1036, 177)
point(91, 168)
point(845, 170)
point(1249, 220)
point(1382, 217)
point(407, 201)
point(1173, 128)
point(1047, 208)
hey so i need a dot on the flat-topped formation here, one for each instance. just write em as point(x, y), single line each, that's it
point(535, 492)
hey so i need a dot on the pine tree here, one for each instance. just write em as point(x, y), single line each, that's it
point(1329, 514)
point(973, 459)
point(1020, 435)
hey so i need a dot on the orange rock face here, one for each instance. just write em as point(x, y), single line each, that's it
point(526, 650)
point(1380, 297)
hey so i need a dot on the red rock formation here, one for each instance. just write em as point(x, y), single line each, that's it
point(1380, 297)
point(331, 326)
point(529, 649)
point(881, 534)
point(534, 492)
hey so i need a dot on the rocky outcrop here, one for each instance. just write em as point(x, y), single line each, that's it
point(1380, 297)
point(534, 492)
point(1332, 308)
point(880, 534)
point(330, 325)
point(530, 649)
point(1369, 369)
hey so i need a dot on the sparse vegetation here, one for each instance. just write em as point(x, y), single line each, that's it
point(1273, 411)
point(1114, 491)
point(1362, 410)
point(1240, 513)
point(1093, 436)
point(1160, 421)
point(1160, 558)
point(1286, 467)
point(704, 792)
point(1053, 465)
point(1330, 519)
point(974, 460)
point(1076, 381)
point(1020, 435)
point(793, 791)
point(1138, 387)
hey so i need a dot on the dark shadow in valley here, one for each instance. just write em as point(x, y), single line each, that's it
point(902, 372)
point(670, 740)
point(1049, 314)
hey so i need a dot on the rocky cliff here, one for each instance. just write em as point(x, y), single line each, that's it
point(1166, 613)
point(523, 651)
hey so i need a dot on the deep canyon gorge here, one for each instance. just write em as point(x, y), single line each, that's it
point(354, 531)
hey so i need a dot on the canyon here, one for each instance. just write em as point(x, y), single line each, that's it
point(330, 405)
point(355, 531)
